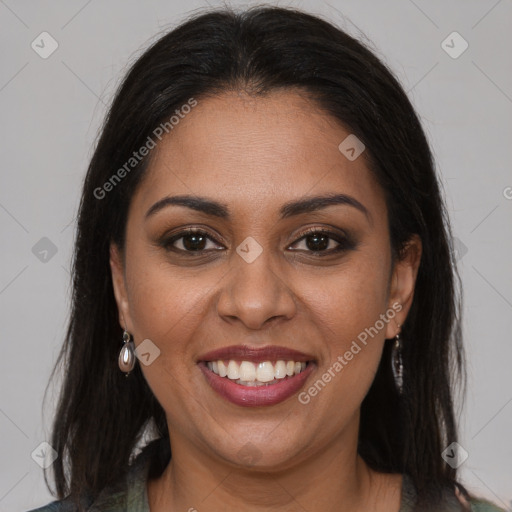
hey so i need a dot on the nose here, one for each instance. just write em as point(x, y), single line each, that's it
point(254, 293)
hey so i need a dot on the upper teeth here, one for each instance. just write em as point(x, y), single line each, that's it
point(247, 371)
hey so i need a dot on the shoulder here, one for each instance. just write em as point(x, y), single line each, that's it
point(56, 506)
point(475, 504)
point(478, 505)
point(130, 491)
point(451, 500)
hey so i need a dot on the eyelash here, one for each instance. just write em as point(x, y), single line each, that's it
point(345, 243)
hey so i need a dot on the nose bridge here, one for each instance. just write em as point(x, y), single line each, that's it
point(254, 291)
point(255, 278)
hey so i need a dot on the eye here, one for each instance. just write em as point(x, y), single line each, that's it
point(190, 240)
point(322, 241)
point(315, 240)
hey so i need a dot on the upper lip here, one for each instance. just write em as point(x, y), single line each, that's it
point(256, 354)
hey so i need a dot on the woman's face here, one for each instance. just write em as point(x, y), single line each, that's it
point(256, 172)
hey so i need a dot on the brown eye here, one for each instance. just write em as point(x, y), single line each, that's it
point(190, 241)
point(322, 241)
point(194, 242)
point(317, 242)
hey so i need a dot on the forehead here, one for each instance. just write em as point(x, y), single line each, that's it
point(254, 152)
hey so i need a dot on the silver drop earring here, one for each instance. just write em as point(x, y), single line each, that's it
point(127, 357)
point(397, 364)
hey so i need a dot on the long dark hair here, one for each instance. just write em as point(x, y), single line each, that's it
point(101, 415)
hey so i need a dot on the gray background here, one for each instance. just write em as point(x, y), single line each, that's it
point(51, 110)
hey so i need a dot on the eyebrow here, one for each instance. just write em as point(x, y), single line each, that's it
point(289, 209)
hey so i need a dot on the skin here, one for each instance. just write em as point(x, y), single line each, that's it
point(254, 155)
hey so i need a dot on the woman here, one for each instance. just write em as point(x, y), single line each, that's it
point(262, 222)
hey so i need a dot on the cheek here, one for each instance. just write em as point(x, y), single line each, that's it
point(347, 306)
point(167, 309)
point(166, 305)
point(350, 299)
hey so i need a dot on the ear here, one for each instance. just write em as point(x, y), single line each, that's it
point(119, 284)
point(403, 281)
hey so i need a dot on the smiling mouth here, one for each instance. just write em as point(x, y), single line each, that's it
point(256, 376)
point(264, 373)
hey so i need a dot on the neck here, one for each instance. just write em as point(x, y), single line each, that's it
point(325, 480)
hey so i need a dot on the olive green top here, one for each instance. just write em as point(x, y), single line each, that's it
point(131, 495)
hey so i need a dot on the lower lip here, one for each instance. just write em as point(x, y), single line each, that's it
point(249, 396)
